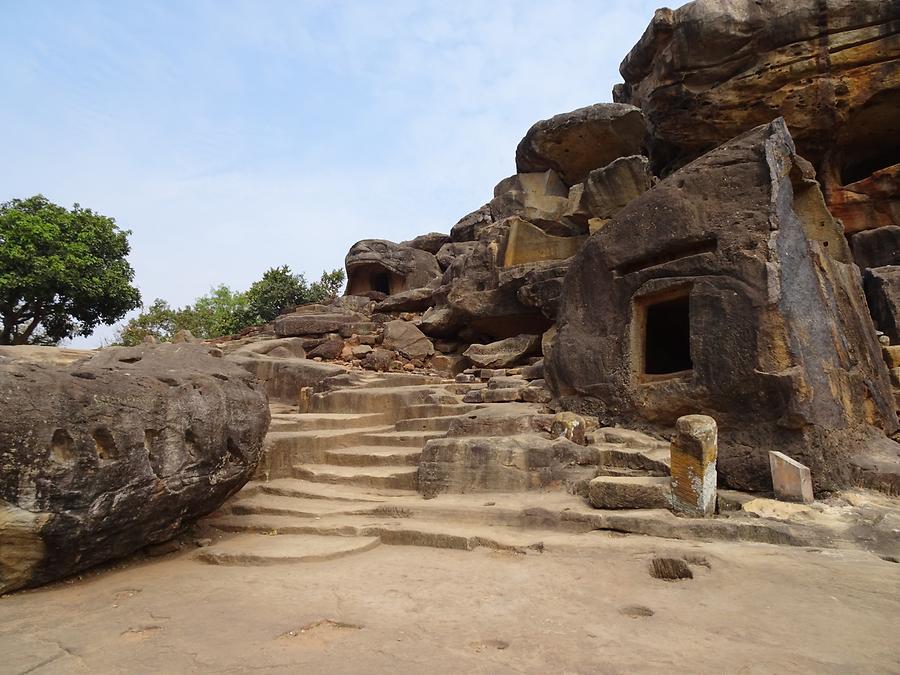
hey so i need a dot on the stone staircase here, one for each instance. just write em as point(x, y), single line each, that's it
point(342, 477)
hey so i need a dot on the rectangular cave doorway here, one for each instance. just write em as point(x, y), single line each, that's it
point(665, 339)
point(381, 282)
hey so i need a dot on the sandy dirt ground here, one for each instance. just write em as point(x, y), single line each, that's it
point(591, 607)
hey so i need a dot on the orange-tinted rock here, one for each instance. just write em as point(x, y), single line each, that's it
point(711, 70)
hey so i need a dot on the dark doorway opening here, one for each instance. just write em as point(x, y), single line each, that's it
point(667, 338)
point(381, 282)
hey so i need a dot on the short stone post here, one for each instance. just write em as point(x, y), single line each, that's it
point(304, 399)
point(693, 459)
point(791, 480)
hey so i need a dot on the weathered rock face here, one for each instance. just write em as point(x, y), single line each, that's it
point(728, 289)
point(315, 320)
point(404, 338)
point(575, 143)
point(386, 267)
point(282, 368)
point(882, 286)
point(116, 449)
point(504, 353)
point(877, 248)
point(711, 70)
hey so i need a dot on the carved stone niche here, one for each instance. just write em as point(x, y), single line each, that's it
point(376, 265)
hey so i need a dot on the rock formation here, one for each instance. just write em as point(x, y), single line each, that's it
point(728, 289)
point(711, 70)
point(103, 453)
point(379, 266)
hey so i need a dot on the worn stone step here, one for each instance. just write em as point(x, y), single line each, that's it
point(261, 549)
point(320, 439)
point(299, 488)
point(651, 461)
point(630, 492)
point(547, 511)
point(298, 507)
point(388, 400)
point(373, 455)
point(406, 439)
point(425, 424)
point(438, 410)
point(630, 438)
point(396, 477)
point(396, 530)
point(319, 421)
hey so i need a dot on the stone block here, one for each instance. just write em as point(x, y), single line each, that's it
point(536, 395)
point(891, 355)
point(693, 461)
point(474, 396)
point(629, 492)
point(501, 395)
point(791, 480)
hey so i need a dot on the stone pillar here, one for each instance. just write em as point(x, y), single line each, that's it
point(693, 460)
point(791, 480)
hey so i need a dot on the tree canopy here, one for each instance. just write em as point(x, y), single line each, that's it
point(225, 312)
point(62, 271)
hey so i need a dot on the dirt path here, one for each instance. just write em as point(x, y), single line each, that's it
point(587, 607)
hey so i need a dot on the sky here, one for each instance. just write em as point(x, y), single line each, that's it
point(230, 136)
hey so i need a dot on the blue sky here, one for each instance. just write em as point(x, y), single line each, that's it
point(232, 136)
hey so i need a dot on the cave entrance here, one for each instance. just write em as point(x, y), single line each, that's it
point(381, 282)
point(665, 348)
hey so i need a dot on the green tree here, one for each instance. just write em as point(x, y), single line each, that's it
point(159, 320)
point(62, 272)
point(328, 287)
point(220, 312)
point(278, 291)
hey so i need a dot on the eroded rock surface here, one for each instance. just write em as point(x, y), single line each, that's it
point(728, 289)
point(711, 70)
point(575, 143)
point(109, 451)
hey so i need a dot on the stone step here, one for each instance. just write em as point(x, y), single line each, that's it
point(262, 549)
point(425, 424)
point(320, 439)
point(373, 455)
point(320, 421)
point(406, 439)
point(650, 461)
point(392, 530)
point(392, 476)
point(303, 489)
point(438, 410)
point(630, 492)
point(630, 439)
point(298, 507)
point(554, 511)
point(389, 400)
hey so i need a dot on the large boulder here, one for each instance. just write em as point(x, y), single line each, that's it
point(877, 248)
point(430, 243)
point(728, 290)
point(105, 452)
point(575, 143)
point(882, 286)
point(389, 268)
point(504, 353)
point(404, 338)
point(282, 368)
point(710, 70)
point(315, 320)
